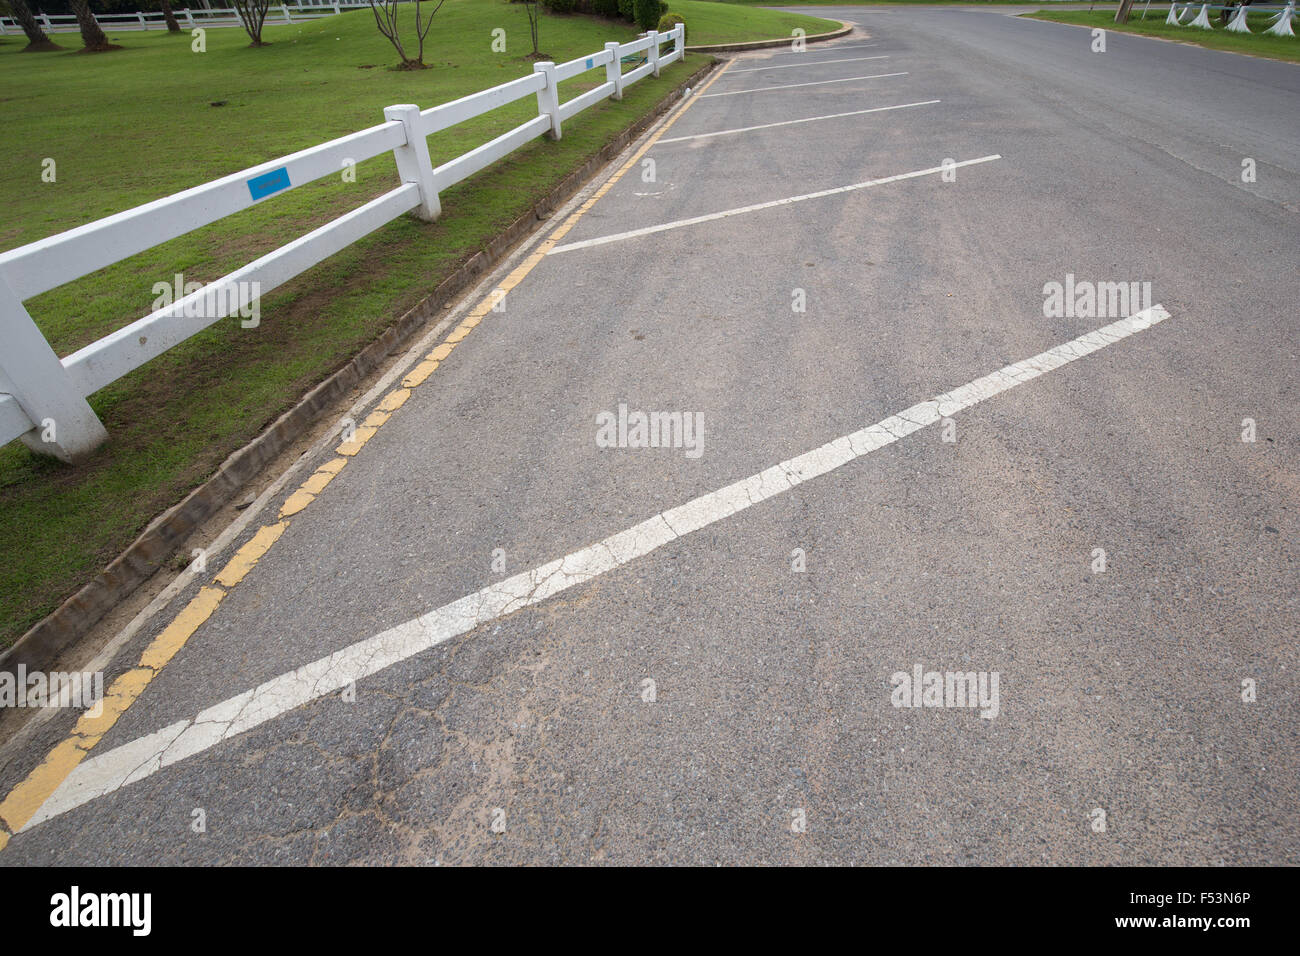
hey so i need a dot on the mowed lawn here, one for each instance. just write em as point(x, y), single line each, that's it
point(1274, 48)
point(127, 127)
point(711, 23)
point(890, 3)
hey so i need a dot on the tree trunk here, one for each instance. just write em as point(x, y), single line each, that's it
point(252, 14)
point(92, 37)
point(172, 25)
point(36, 39)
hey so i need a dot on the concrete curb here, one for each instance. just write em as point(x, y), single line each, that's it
point(41, 647)
point(844, 30)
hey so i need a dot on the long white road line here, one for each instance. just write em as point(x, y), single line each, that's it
point(794, 122)
point(829, 48)
point(791, 66)
point(795, 86)
point(741, 210)
point(114, 769)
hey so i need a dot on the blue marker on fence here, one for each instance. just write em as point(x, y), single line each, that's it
point(259, 187)
point(591, 61)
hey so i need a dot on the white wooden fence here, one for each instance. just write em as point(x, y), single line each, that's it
point(202, 17)
point(43, 397)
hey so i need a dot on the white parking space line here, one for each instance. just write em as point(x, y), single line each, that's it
point(792, 86)
point(810, 119)
point(793, 66)
point(827, 49)
point(695, 220)
point(110, 771)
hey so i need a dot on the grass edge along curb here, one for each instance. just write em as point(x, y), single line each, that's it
point(57, 633)
point(1190, 38)
point(844, 30)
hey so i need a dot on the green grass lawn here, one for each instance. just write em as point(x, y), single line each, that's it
point(871, 3)
point(1274, 48)
point(137, 124)
point(711, 23)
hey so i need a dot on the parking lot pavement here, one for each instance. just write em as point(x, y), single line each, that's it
point(815, 243)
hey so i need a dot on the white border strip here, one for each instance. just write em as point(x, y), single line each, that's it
point(820, 48)
point(145, 756)
point(810, 119)
point(795, 86)
point(791, 66)
point(710, 217)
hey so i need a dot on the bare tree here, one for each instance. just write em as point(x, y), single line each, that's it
point(252, 14)
point(385, 12)
point(37, 41)
point(92, 37)
point(533, 10)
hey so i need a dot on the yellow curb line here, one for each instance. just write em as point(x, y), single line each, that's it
point(25, 799)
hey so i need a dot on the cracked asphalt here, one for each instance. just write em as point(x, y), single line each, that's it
point(699, 702)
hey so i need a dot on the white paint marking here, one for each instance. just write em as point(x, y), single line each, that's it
point(825, 49)
point(791, 66)
point(795, 86)
point(110, 771)
point(810, 119)
point(710, 217)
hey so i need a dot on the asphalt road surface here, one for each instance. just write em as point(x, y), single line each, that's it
point(718, 684)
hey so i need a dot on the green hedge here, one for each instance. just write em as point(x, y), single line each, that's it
point(668, 21)
point(647, 13)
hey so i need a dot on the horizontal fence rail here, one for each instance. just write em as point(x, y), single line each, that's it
point(43, 397)
point(49, 263)
point(188, 18)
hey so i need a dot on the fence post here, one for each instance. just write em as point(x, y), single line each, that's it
point(679, 41)
point(43, 389)
point(189, 17)
point(614, 71)
point(413, 163)
point(548, 97)
point(287, 18)
point(654, 51)
point(336, 7)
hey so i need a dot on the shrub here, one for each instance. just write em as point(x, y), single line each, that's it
point(670, 20)
point(559, 6)
point(647, 13)
point(605, 8)
point(625, 9)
